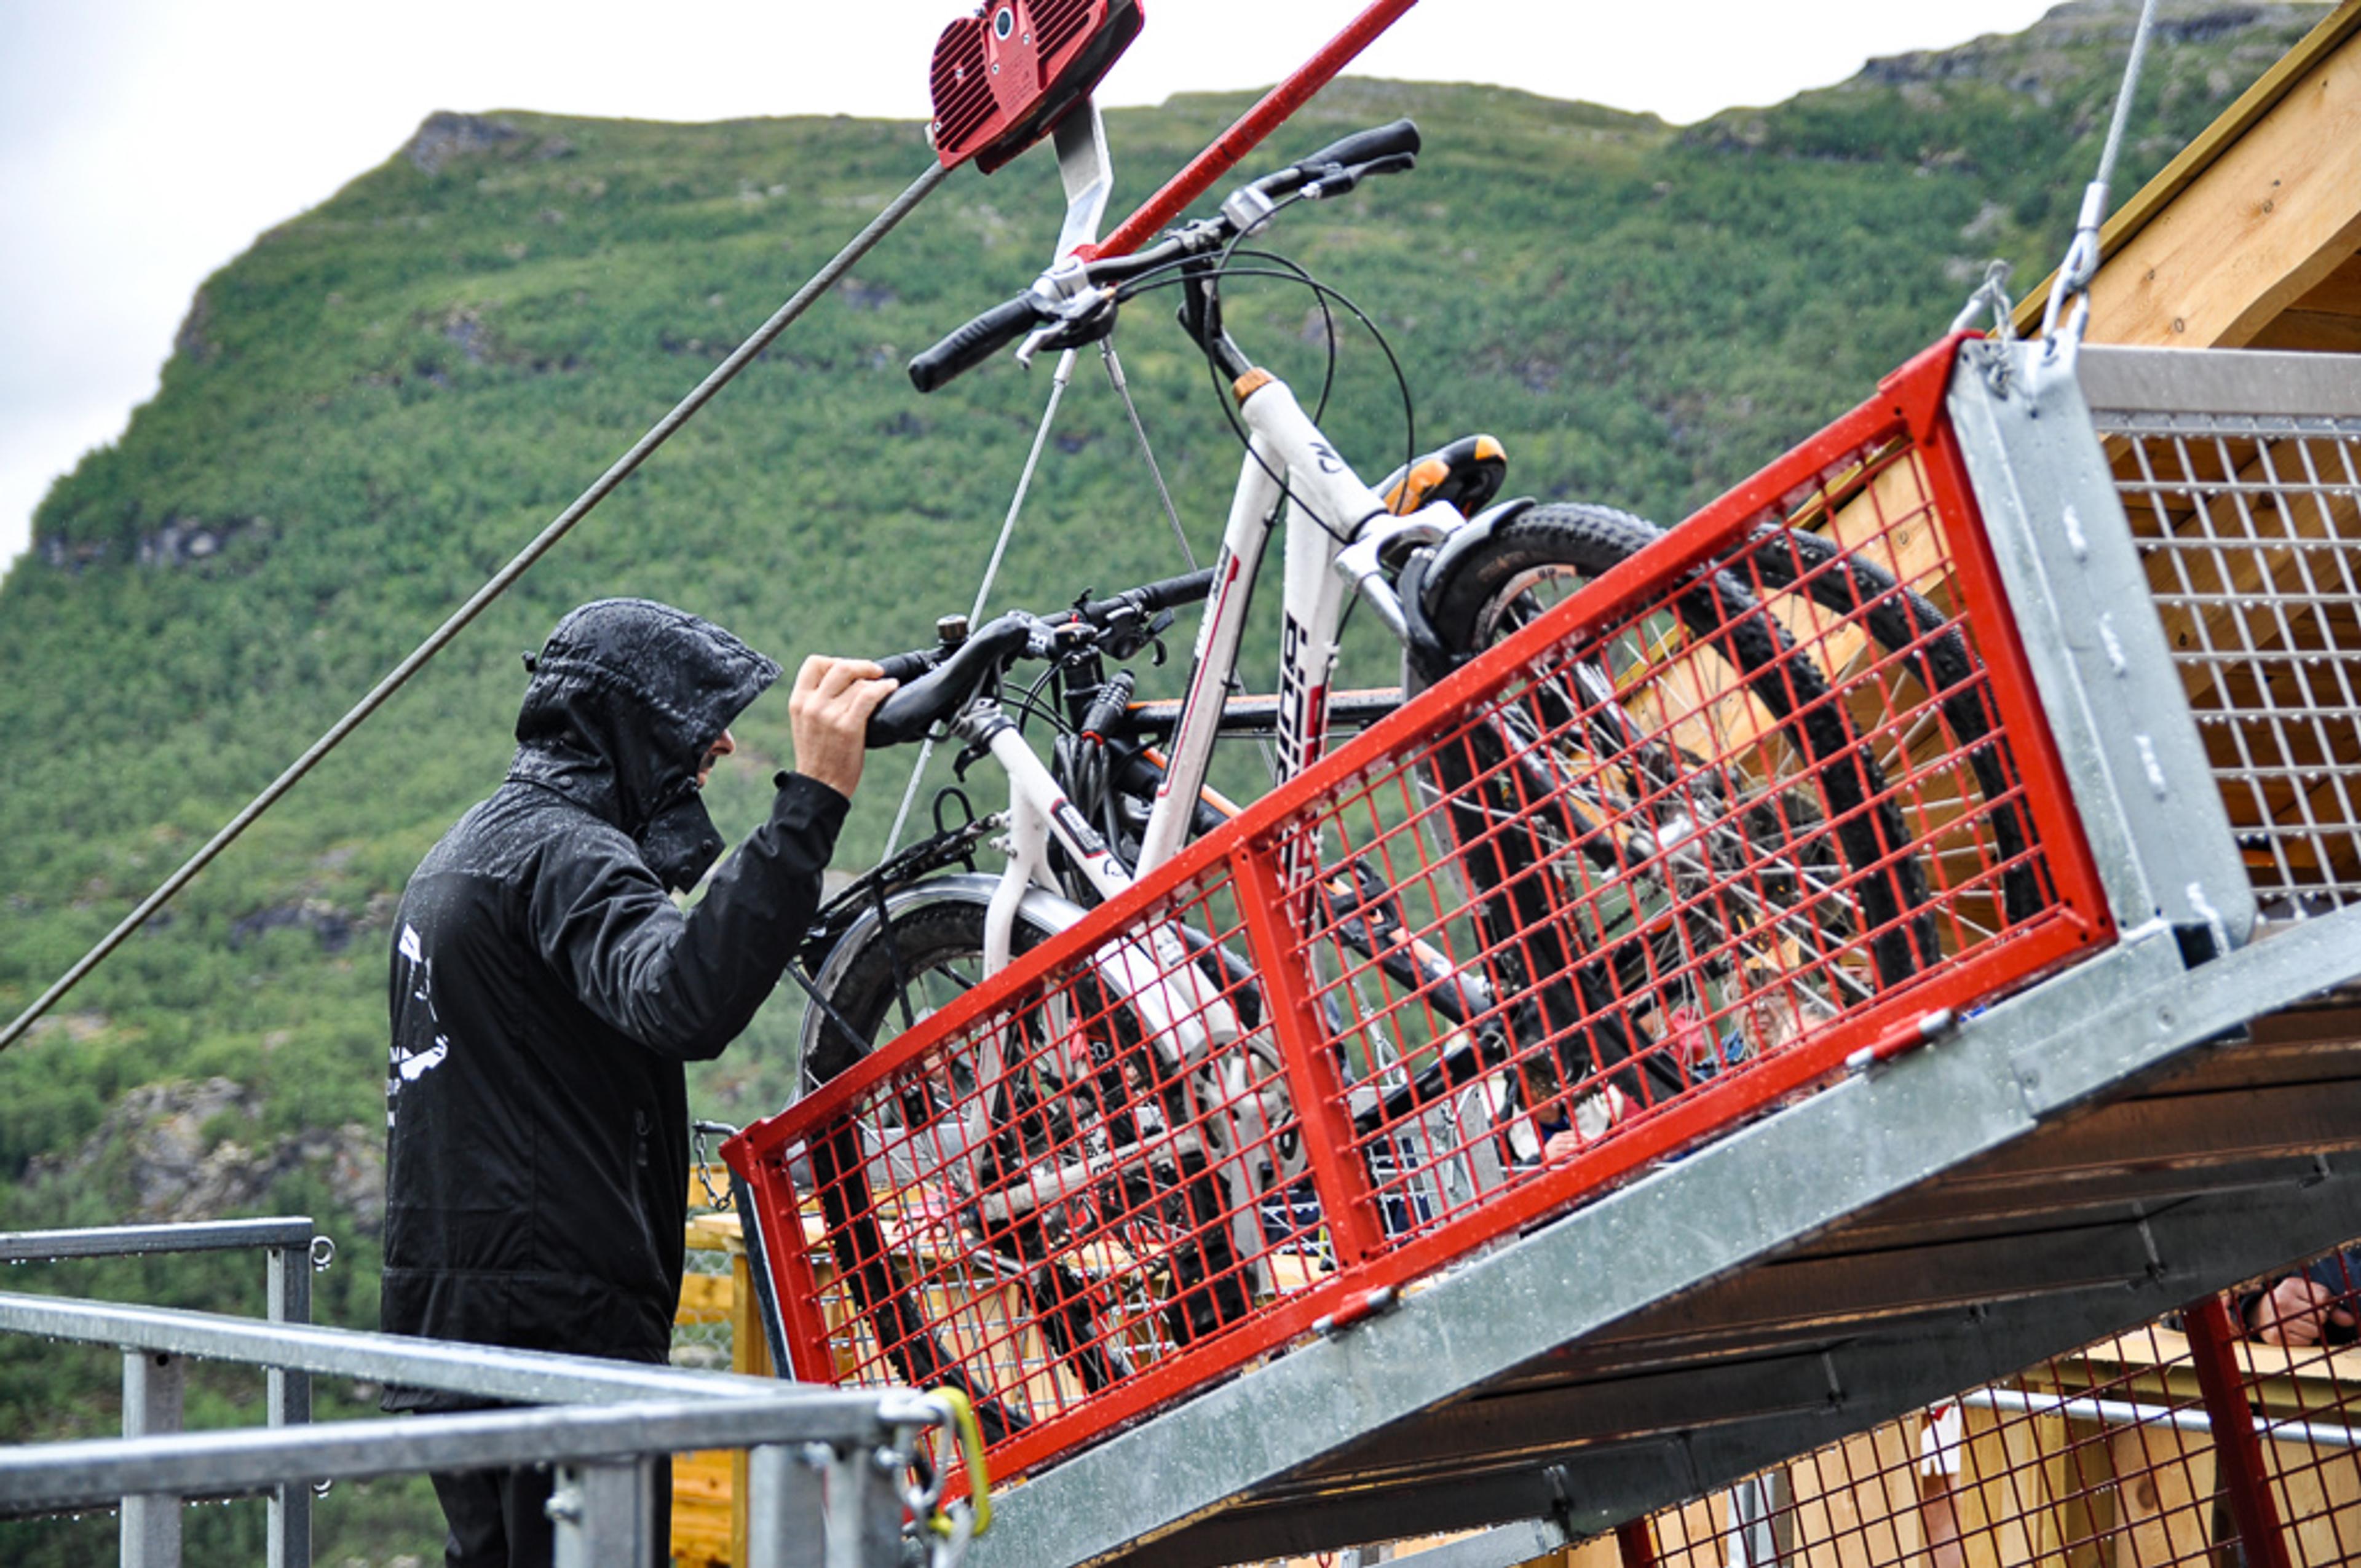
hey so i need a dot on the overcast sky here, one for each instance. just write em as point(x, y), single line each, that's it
point(144, 143)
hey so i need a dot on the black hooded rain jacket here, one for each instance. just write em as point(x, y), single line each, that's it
point(545, 991)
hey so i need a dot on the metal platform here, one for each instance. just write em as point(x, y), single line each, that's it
point(2178, 539)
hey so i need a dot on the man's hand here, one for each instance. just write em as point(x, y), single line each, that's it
point(828, 712)
point(2297, 1312)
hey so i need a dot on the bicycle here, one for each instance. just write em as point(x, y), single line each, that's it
point(1626, 879)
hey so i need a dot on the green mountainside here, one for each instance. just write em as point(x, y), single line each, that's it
point(371, 409)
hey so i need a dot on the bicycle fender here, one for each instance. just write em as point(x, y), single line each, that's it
point(1479, 532)
point(1426, 649)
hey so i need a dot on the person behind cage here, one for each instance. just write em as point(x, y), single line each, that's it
point(2314, 1305)
point(546, 990)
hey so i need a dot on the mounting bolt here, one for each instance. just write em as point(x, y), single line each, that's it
point(565, 1504)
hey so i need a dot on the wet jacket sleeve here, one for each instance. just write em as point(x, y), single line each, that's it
point(685, 984)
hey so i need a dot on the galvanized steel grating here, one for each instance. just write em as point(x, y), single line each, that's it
point(2222, 1434)
point(2249, 527)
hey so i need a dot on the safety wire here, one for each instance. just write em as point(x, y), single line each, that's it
point(399, 676)
point(2081, 263)
point(1122, 389)
point(1065, 373)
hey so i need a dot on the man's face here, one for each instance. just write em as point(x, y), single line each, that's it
point(714, 753)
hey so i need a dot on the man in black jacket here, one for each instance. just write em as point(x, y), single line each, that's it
point(546, 992)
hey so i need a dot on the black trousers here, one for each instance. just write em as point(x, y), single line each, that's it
point(498, 1519)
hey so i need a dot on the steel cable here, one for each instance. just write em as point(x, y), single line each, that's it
point(2082, 262)
point(660, 432)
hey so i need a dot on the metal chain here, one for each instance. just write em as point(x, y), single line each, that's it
point(2081, 263)
point(660, 432)
point(698, 1131)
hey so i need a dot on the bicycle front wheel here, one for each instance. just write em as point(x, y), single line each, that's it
point(1065, 1098)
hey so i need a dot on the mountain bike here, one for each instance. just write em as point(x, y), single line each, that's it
point(1627, 880)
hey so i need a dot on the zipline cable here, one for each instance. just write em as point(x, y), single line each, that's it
point(660, 432)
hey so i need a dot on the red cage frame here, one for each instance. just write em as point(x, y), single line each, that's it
point(1908, 408)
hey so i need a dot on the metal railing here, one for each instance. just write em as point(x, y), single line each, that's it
point(293, 1252)
point(604, 1424)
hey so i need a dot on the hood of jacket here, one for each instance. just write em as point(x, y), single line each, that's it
point(626, 697)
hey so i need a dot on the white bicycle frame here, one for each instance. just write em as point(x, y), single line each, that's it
point(1337, 529)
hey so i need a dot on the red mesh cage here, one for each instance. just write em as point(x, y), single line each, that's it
point(1766, 797)
point(2193, 1443)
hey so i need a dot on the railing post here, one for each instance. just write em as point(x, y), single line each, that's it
point(600, 1508)
point(782, 1498)
point(1315, 1078)
point(2238, 1452)
point(864, 1508)
point(150, 1526)
point(290, 1399)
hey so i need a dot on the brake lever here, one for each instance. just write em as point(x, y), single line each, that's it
point(1345, 180)
point(1084, 319)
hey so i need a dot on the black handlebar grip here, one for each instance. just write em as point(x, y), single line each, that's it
point(908, 667)
point(907, 714)
point(978, 341)
point(903, 717)
point(1173, 592)
point(1365, 147)
point(1149, 597)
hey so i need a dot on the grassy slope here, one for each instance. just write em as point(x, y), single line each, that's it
point(384, 398)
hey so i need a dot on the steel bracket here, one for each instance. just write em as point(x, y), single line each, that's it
point(2101, 662)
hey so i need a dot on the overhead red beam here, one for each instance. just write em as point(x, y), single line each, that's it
point(1256, 123)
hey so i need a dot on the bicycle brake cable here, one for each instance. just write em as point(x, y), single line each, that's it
point(1282, 269)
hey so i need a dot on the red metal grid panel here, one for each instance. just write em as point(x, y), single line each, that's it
point(1763, 797)
point(2202, 1440)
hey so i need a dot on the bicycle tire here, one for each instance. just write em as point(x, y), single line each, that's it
point(1906, 625)
point(936, 939)
point(1480, 597)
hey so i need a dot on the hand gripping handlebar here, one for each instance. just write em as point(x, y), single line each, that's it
point(1334, 169)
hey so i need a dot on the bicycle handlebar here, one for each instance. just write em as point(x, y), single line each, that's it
point(1333, 170)
point(979, 340)
point(1379, 143)
point(1146, 600)
point(934, 682)
point(909, 713)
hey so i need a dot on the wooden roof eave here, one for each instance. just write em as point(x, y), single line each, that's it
point(2251, 107)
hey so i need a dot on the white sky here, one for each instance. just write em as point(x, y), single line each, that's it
point(144, 143)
